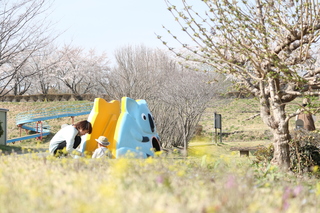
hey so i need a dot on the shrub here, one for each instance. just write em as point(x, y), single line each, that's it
point(264, 154)
point(304, 150)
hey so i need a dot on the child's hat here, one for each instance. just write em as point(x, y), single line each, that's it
point(103, 141)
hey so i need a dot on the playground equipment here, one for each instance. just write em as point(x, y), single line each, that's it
point(103, 118)
point(136, 131)
point(34, 120)
point(130, 128)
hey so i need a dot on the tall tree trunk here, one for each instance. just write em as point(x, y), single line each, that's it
point(273, 114)
point(281, 148)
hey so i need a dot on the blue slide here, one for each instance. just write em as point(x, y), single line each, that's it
point(29, 120)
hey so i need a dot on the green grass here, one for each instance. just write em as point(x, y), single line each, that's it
point(236, 122)
point(9, 149)
point(34, 183)
point(211, 179)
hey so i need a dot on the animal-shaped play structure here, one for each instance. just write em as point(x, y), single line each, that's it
point(130, 128)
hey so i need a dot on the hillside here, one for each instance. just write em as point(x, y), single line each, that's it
point(241, 123)
point(33, 144)
point(241, 120)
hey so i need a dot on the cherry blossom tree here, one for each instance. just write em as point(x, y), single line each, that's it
point(270, 47)
point(80, 71)
point(24, 30)
point(177, 96)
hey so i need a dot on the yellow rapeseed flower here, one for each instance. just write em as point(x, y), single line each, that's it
point(318, 189)
point(158, 154)
point(272, 168)
point(120, 166)
point(64, 161)
point(234, 153)
point(315, 168)
point(225, 158)
point(149, 160)
point(254, 207)
point(181, 173)
point(267, 184)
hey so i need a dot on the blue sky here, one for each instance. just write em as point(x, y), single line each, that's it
point(110, 24)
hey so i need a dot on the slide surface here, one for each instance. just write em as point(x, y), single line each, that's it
point(103, 117)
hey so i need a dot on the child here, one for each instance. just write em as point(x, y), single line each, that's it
point(101, 151)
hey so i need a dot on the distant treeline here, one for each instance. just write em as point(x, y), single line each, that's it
point(50, 97)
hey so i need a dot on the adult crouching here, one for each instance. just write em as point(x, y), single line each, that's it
point(69, 138)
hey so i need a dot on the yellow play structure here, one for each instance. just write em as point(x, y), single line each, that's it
point(129, 127)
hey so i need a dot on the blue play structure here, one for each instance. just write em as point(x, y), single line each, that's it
point(33, 120)
point(136, 134)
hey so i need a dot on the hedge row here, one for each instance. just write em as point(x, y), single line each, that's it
point(50, 97)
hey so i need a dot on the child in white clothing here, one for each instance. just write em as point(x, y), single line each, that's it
point(101, 151)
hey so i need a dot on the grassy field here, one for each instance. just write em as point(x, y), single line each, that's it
point(168, 184)
point(241, 121)
point(237, 127)
point(211, 179)
point(33, 144)
point(233, 112)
